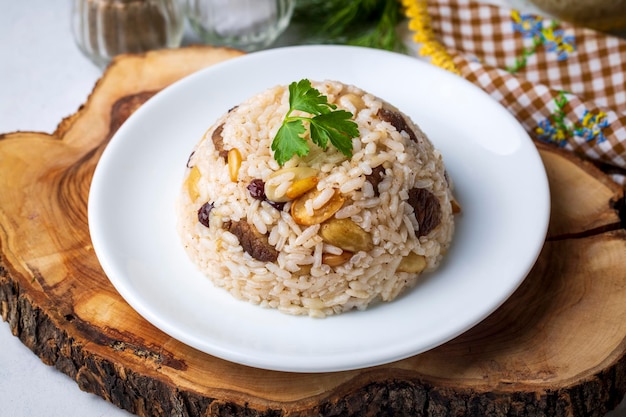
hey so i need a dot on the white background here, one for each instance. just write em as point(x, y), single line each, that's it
point(44, 78)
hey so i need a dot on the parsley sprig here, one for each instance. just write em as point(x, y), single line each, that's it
point(326, 125)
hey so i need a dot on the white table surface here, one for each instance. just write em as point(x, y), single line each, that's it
point(44, 78)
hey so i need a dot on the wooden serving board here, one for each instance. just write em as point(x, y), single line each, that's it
point(557, 347)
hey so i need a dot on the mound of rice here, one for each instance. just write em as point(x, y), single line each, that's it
point(365, 232)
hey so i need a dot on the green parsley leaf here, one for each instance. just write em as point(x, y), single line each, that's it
point(326, 125)
point(289, 141)
point(305, 98)
point(336, 127)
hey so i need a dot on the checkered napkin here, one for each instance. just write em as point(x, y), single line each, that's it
point(566, 85)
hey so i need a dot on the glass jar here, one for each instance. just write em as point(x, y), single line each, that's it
point(105, 28)
point(243, 24)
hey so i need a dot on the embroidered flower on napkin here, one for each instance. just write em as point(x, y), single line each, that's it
point(565, 84)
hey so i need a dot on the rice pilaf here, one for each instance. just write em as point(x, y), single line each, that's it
point(324, 233)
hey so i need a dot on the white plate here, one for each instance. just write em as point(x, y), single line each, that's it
point(500, 182)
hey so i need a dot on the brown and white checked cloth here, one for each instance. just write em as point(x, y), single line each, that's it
point(566, 85)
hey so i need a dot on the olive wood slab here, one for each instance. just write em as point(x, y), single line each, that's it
point(557, 347)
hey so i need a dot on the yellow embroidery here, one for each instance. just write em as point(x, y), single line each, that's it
point(540, 33)
point(419, 24)
point(556, 128)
